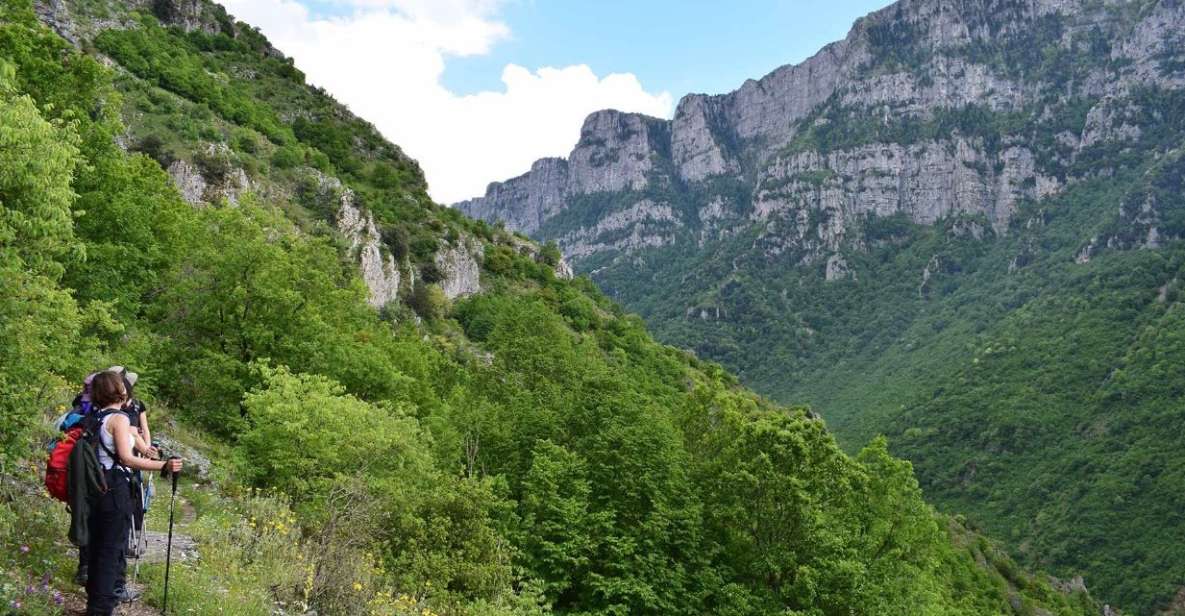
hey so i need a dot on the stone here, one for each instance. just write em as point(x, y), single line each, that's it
point(379, 271)
point(460, 268)
point(188, 180)
point(643, 224)
point(837, 269)
point(563, 270)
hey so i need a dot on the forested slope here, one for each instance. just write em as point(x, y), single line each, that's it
point(518, 446)
point(960, 226)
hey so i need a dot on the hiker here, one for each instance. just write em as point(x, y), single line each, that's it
point(110, 515)
point(82, 402)
point(137, 413)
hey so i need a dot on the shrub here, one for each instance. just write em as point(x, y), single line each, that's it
point(428, 301)
point(288, 156)
point(305, 432)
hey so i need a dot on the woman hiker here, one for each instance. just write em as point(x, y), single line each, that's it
point(137, 413)
point(110, 517)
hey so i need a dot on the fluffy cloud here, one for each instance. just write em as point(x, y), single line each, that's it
point(385, 59)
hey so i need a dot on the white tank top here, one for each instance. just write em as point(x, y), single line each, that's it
point(108, 440)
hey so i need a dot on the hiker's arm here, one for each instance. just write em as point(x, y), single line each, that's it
point(143, 445)
point(144, 426)
point(144, 438)
point(121, 429)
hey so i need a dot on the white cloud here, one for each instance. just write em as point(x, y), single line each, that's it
point(385, 60)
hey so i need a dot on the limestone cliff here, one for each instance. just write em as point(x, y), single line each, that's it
point(929, 109)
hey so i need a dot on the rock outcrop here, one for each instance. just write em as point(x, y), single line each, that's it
point(378, 267)
point(925, 110)
point(188, 180)
point(197, 184)
point(189, 15)
point(460, 268)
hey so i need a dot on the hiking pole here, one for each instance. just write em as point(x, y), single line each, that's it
point(142, 535)
point(147, 490)
point(164, 606)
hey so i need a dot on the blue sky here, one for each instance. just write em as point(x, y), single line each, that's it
point(476, 90)
point(678, 47)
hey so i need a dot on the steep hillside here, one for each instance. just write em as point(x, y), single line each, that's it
point(960, 226)
point(493, 439)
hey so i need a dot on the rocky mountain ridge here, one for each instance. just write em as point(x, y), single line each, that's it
point(911, 79)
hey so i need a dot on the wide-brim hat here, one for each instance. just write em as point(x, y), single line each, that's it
point(132, 377)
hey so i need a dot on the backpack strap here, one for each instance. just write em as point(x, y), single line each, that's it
point(102, 416)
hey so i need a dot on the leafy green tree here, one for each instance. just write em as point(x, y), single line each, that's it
point(40, 323)
point(560, 531)
point(251, 287)
point(305, 431)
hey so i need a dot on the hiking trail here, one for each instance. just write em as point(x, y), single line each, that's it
point(185, 549)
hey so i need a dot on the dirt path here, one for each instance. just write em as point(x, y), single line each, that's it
point(184, 549)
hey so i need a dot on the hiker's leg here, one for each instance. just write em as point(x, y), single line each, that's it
point(83, 560)
point(121, 568)
point(108, 530)
point(135, 525)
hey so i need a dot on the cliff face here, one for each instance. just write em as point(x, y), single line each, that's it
point(928, 109)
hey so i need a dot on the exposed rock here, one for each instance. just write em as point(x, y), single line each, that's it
point(933, 266)
point(1110, 120)
point(524, 203)
point(460, 268)
point(697, 136)
point(1014, 265)
point(1162, 293)
point(837, 269)
point(563, 270)
point(927, 181)
point(194, 459)
point(234, 184)
point(955, 174)
point(189, 15)
point(645, 224)
point(188, 180)
point(614, 152)
point(56, 15)
point(1087, 251)
point(379, 270)
point(967, 228)
point(1074, 584)
point(195, 187)
point(705, 313)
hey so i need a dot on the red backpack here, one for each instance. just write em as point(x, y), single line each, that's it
point(59, 452)
point(55, 468)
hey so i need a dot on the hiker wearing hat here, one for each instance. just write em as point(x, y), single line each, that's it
point(110, 518)
point(137, 412)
